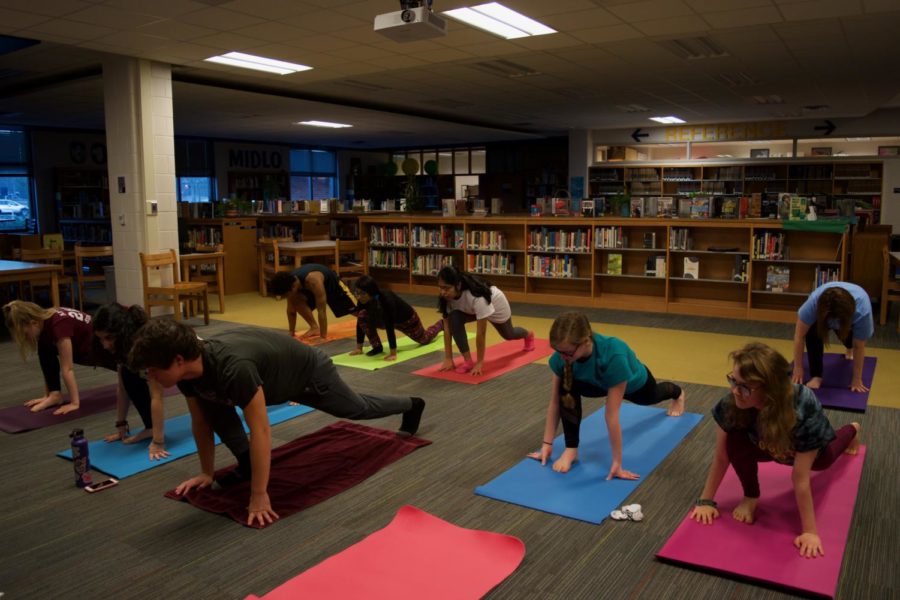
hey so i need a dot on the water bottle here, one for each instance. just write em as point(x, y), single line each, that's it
point(80, 461)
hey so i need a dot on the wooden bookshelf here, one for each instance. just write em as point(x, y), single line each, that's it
point(82, 205)
point(730, 282)
point(238, 236)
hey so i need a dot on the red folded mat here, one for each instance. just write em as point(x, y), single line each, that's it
point(311, 469)
point(499, 359)
point(416, 556)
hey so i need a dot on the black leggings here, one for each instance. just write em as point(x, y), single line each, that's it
point(458, 320)
point(138, 391)
point(650, 393)
point(815, 350)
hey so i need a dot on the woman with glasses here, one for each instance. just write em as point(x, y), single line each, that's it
point(768, 417)
point(840, 307)
point(465, 298)
point(377, 309)
point(589, 364)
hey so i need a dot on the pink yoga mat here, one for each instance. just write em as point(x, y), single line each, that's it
point(311, 469)
point(499, 359)
point(416, 556)
point(764, 551)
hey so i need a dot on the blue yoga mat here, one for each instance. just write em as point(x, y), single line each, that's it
point(124, 460)
point(583, 493)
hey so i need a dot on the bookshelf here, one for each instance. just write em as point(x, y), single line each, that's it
point(566, 261)
point(237, 235)
point(82, 205)
point(259, 185)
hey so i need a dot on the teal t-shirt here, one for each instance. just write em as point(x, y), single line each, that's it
point(611, 363)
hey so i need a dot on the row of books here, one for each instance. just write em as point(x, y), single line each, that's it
point(611, 237)
point(391, 259)
point(281, 231)
point(487, 240)
point(493, 264)
point(202, 236)
point(552, 266)
point(93, 210)
point(434, 237)
point(196, 210)
point(430, 264)
point(826, 275)
point(770, 246)
point(386, 235)
point(560, 240)
point(680, 239)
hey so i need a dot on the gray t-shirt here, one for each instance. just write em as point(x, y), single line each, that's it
point(236, 363)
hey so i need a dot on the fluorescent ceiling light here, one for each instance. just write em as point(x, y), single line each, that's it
point(499, 20)
point(323, 124)
point(258, 63)
point(667, 120)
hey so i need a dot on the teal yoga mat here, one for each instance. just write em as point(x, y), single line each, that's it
point(583, 493)
point(406, 350)
point(121, 460)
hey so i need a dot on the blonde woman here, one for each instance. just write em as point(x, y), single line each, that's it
point(62, 338)
point(589, 364)
point(767, 417)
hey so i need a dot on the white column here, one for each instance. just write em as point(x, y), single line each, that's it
point(140, 141)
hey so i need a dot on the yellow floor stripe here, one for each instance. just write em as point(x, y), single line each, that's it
point(686, 356)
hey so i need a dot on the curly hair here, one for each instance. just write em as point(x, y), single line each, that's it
point(158, 343)
point(477, 286)
point(282, 283)
point(574, 328)
point(18, 315)
point(122, 323)
point(835, 304)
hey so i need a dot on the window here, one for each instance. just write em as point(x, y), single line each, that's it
point(16, 198)
point(194, 170)
point(196, 189)
point(313, 174)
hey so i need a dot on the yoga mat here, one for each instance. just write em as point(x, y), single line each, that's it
point(124, 460)
point(406, 349)
point(16, 419)
point(583, 493)
point(836, 375)
point(499, 359)
point(416, 556)
point(764, 551)
point(311, 469)
point(336, 331)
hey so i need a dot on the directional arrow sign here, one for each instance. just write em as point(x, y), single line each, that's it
point(828, 127)
point(637, 135)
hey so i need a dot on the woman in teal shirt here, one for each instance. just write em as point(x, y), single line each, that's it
point(593, 365)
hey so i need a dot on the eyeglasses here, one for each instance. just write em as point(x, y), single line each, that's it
point(743, 388)
point(569, 354)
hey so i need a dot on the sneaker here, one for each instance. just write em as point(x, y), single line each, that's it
point(465, 367)
point(411, 418)
point(375, 351)
point(529, 342)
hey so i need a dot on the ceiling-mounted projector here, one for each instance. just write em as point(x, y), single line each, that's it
point(413, 23)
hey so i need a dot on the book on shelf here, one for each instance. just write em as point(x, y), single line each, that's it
point(587, 208)
point(614, 263)
point(650, 239)
point(755, 205)
point(778, 278)
point(744, 207)
point(739, 273)
point(52, 241)
point(660, 265)
point(729, 208)
point(797, 208)
point(665, 206)
point(637, 207)
point(684, 208)
point(655, 266)
point(700, 207)
point(691, 267)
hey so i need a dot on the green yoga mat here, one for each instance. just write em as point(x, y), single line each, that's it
point(406, 349)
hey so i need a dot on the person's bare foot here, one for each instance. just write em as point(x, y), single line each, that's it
point(744, 511)
point(853, 446)
point(814, 383)
point(849, 354)
point(676, 406)
point(39, 404)
point(141, 435)
point(564, 462)
point(65, 409)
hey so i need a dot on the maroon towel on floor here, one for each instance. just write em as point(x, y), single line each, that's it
point(17, 419)
point(311, 469)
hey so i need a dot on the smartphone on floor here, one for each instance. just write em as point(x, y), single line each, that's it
point(101, 485)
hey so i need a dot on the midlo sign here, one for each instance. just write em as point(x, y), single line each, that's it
point(254, 159)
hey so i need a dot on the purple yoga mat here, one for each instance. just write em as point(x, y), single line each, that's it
point(16, 419)
point(837, 372)
point(764, 551)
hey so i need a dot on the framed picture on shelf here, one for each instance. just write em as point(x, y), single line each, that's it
point(888, 150)
point(759, 153)
point(821, 151)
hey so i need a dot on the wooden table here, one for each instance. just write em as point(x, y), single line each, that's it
point(890, 287)
point(298, 250)
point(204, 258)
point(18, 271)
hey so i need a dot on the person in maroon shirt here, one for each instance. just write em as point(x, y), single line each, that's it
point(62, 338)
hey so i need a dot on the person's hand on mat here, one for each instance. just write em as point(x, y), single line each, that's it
point(543, 455)
point(857, 386)
point(260, 508)
point(392, 355)
point(616, 471)
point(66, 409)
point(355, 351)
point(477, 369)
point(705, 514)
point(797, 374)
point(199, 482)
point(447, 365)
point(809, 544)
point(158, 451)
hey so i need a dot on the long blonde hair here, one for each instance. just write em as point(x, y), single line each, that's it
point(763, 366)
point(574, 328)
point(18, 315)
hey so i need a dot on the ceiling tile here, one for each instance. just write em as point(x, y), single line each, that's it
point(361, 53)
point(820, 9)
point(325, 21)
point(126, 40)
point(113, 17)
point(53, 8)
point(635, 12)
point(878, 6)
point(229, 42)
point(541, 8)
point(221, 19)
point(175, 30)
point(13, 20)
point(746, 17)
point(157, 8)
point(604, 35)
point(582, 19)
point(70, 29)
point(273, 32)
point(276, 10)
point(673, 26)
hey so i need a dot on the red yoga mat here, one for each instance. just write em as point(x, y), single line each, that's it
point(311, 469)
point(336, 331)
point(764, 551)
point(416, 556)
point(499, 359)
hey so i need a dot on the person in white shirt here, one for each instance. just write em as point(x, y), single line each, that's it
point(465, 298)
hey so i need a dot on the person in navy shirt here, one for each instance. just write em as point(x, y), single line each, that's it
point(589, 364)
point(840, 307)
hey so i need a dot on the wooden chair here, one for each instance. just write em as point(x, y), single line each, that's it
point(890, 287)
point(84, 279)
point(171, 295)
point(50, 257)
point(354, 266)
point(267, 247)
point(213, 276)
